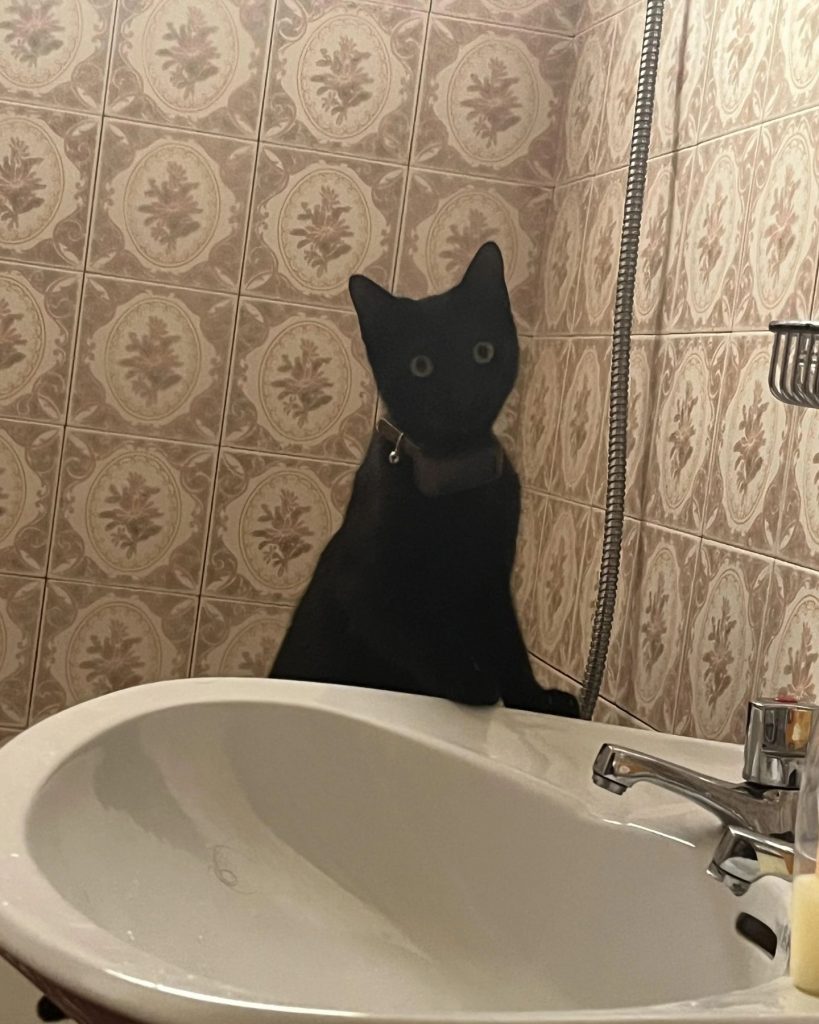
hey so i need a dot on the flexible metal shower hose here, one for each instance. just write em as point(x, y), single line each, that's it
point(620, 351)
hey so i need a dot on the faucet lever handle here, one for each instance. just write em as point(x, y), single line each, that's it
point(776, 742)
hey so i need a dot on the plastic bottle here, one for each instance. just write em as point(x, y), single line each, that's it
point(805, 905)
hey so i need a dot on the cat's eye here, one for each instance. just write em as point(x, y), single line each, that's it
point(421, 366)
point(483, 352)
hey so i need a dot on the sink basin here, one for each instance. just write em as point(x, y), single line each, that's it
point(248, 850)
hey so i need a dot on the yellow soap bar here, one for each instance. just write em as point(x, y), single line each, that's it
point(805, 933)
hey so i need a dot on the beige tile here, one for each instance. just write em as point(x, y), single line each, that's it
point(171, 206)
point(448, 217)
point(594, 11)
point(644, 374)
point(778, 265)
point(491, 101)
point(234, 638)
point(681, 74)
point(597, 279)
point(799, 521)
point(719, 189)
point(584, 107)
point(56, 52)
point(38, 317)
point(576, 461)
point(621, 89)
point(132, 511)
point(318, 219)
point(558, 16)
point(344, 77)
point(738, 62)
point(29, 457)
point(542, 372)
point(723, 643)
point(193, 66)
point(21, 599)
point(8, 734)
point(563, 255)
point(609, 714)
point(47, 159)
point(151, 360)
point(647, 672)
point(790, 651)
point(527, 552)
point(558, 580)
point(300, 383)
point(272, 518)
point(687, 395)
point(794, 80)
point(98, 639)
point(752, 433)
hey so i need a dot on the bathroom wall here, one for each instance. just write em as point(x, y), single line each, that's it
point(185, 187)
point(719, 596)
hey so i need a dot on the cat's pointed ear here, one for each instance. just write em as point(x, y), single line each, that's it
point(371, 301)
point(485, 272)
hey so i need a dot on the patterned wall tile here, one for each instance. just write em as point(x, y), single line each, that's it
point(779, 254)
point(234, 638)
point(576, 461)
point(584, 107)
point(789, 666)
point(723, 643)
point(300, 383)
point(563, 255)
point(194, 66)
point(558, 16)
point(594, 11)
point(271, 520)
point(317, 220)
point(708, 268)
point(152, 360)
point(344, 77)
point(56, 52)
point(491, 101)
point(48, 158)
point(132, 510)
point(171, 206)
point(737, 69)
point(98, 639)
point(594, 307)
point(38, 317)
point(799, 522)
point(29, 457)
point(524, 574)
point(6, 735)
point(21, 600)
point(621, 89)
point(542, 372)
point(609, 714)
point(644, 373)
point(748, 471)
point(684, 430)
point(446, 220)
point(681, 74)
point(647, 673)
point(794, 80)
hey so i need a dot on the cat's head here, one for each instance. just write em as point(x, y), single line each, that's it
point(445, 364)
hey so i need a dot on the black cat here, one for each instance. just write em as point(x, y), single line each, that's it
point(413, 592)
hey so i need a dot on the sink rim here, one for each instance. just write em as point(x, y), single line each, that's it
point(40, 929)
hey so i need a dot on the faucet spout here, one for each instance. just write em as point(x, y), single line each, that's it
point(768, 812)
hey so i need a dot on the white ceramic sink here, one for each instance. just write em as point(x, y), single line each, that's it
point(240, 851)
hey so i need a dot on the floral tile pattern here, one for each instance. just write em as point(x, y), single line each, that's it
point(737, 66)
point(524, 575)
point(584, 109)
point(38, 315)
point(193, 65)
point(344, 77)
point(563, 255)
point(98, 639)
point(799, 523)
point(491, 101)
point(779, 257)
point(795, 85)
point(316, 220)
point(171, 206)
point(790, 654)
point(642, 399)
point(29, 459)
point(576, 462)
point(723, 643)
point(132, 510)
point(56, 52)
point(753, 430)
point(681, 74)
point(21, 600)
point(234, 638)
point(621, 90)
point(446, 220)
point(46, 166)
point(151, 360)
point(542, 372)
point(300, 384)
point(272, 518)
point(684, 430)
point(558, 16)
point(597, 279)
point(594, 11)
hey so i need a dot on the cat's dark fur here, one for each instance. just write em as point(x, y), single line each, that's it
point(413, 592)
